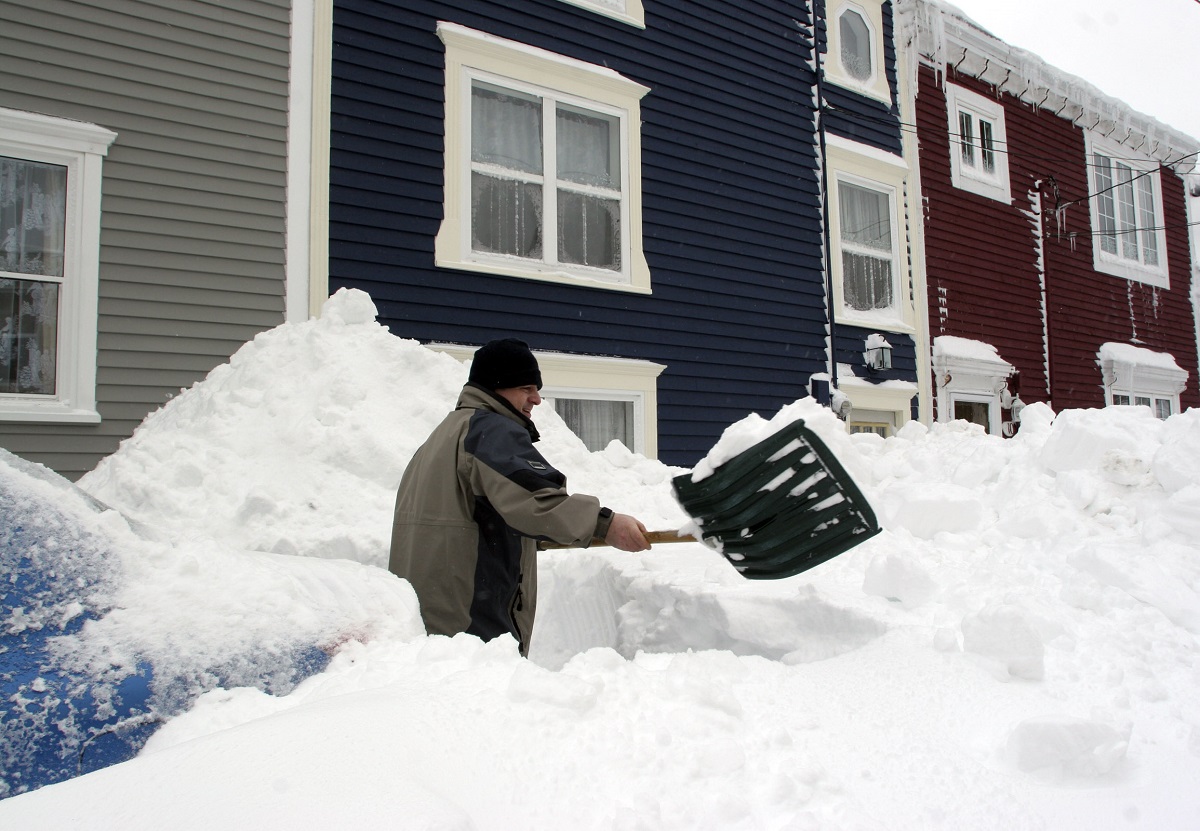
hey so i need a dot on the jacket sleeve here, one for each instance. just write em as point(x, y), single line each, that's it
point(525, 489)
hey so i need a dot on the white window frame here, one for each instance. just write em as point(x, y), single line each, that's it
point(594, 377)
point(472, 55)
point(627, 11)
point(868, 167)
point(1136, 372)
point(871, 11)
point(973, 177)
point(1116, 264)
point(81, 148)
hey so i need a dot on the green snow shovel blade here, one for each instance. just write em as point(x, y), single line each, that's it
point(779, 507)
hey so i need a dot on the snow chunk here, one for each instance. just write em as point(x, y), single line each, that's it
point(348, 307)
point(1005, 634)
point(1062, 746)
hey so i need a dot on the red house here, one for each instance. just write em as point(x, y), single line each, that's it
point(1055, 234)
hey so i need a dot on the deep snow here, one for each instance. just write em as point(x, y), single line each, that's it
point(1017, 649)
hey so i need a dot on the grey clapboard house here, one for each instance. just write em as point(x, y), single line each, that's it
point(161, 249)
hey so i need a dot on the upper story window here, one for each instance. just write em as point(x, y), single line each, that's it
point(868, 245)
point(545, 175)
point(855, 49)
point(871, 280)
point(855, 52)
point(50, 178)
point(541, 181)
point(978, 144)
point(1127, 215)
point(627, 11)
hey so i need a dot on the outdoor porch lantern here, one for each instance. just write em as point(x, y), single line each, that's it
point(878, 354)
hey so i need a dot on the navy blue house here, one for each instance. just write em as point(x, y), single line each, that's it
point(635, 188)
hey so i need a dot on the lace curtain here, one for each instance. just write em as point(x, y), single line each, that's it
point(507, 198)
point(32, 236)
point(866, 231)
point(597, 422)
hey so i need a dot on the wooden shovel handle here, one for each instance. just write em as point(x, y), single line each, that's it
point(651, 537)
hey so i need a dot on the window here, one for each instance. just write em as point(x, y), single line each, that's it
point(855, 48)
point(1126, 207)
point(978, 144)
point(541, 182)
point(510, 194)
point(599, 398)
point(870, 277)
point(598, 421)
point(877, 408)
point(855, 52)
point(627, 11)
point(868, 247)
point(1135, 376)
point(50, 179)
point(1163, 407)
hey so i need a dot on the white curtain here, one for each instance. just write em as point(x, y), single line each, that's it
point(33, 217)
point(597, 422)
point(506, 130)
point(866, 232)
point(586, 149)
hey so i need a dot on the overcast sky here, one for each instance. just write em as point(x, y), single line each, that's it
point(1143, 52)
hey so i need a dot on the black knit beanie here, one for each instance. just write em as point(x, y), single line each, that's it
point(505, 363)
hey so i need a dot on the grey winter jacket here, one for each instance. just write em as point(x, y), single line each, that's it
point(471, 506)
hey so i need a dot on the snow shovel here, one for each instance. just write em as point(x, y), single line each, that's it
point(777, 508)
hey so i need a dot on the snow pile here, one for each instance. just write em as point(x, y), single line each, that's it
point(1017, 649)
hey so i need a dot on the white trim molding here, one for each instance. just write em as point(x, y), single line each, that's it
point(81, 148)
point(976, 178)
point(1136, 372)
point(626, 11)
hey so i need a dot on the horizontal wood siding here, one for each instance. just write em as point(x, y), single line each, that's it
point(731, 217)
point(982, 259)
point(191, 261)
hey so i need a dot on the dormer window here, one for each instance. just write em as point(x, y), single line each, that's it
point(856, 51)
point(855, 47)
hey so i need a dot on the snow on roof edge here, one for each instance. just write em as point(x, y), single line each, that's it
point(946, 35)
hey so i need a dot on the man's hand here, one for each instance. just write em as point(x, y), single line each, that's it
point(627, 534)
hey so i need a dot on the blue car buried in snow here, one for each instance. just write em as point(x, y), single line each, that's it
point(60, 715)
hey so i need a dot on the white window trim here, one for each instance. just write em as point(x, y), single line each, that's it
point(869, 167)
point(872, 13)
point(891, 397)
point(1116, 265)
point(996, 185)
point(81, 148)
point(471, 54)
point(587, 376)
point(627, 11)
point(1138, 372)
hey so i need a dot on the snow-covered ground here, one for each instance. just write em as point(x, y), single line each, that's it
point(1017, 649)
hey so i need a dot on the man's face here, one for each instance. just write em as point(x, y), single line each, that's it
point(523, 398)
